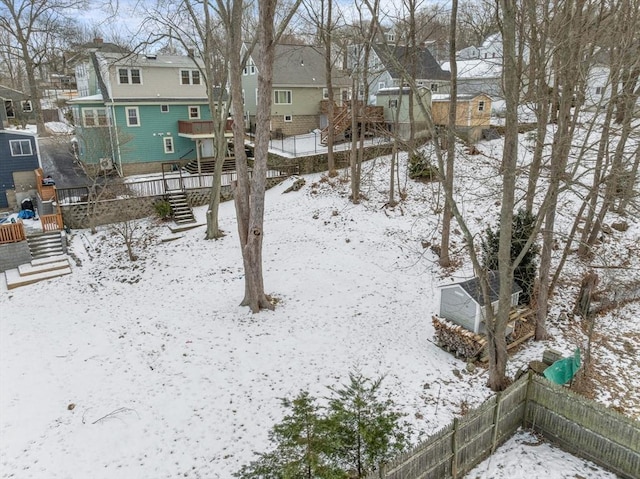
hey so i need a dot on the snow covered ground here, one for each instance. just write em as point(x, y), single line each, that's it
point(152, 370)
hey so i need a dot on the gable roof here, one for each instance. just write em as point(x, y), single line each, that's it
point(473, 289)
point(10, 93)
point(418, 59)
point(302, 65)
point(478, 68)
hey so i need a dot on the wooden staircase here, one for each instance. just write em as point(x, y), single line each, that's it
point(180, 208)
point(341, 122)
point(37, 270)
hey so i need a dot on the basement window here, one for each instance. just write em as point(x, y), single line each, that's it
point(288, 118)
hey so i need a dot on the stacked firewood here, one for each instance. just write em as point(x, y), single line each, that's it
point(458, 340)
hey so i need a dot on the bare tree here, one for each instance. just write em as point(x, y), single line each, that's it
point(249, 192)
point(31, 26)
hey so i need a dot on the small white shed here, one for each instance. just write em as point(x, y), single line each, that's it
point(463, 303)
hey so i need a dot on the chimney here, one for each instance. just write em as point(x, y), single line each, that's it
point(98, 40)
point(190, 52)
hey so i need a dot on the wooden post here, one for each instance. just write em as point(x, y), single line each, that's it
point(527, 398)
point(454, 450)
point(496, 421)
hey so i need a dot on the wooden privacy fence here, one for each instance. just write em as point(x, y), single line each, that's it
point(576, 424)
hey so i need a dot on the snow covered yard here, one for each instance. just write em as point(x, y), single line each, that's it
point(152, 370)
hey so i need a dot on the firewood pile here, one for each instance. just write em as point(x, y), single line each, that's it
point(458, 340)
point(470, 346)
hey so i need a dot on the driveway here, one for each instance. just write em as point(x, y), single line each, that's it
point(58, 161)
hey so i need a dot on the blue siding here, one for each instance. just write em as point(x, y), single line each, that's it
point(143, 143)
point(143, 146)
point(9, 164)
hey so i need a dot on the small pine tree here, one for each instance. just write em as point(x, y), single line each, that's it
point(525, 274)
point(366, 431)
point(356, 433)
point(301, 446)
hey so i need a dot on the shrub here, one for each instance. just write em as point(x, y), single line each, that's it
point(162, 209)
point(420, 168)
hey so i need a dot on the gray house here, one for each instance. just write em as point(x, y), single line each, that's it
point(463, 303)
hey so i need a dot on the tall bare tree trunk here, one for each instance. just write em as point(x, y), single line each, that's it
point(497, 323)
point(447, 214)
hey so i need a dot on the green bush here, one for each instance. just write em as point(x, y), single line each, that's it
point(420, 168)
point(163, 209)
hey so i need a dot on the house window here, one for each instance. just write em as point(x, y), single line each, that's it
point(20, 147)
point(282, 97)
point(599, 90)
point(133, 116)
point(381, 85)
point(190, 77)
point(194, 112)
point(243, 96)
point(8, 107)
point(391, 37)
point(129, 76)
point(164, 108)
point(325, 93)
point(288, 118)
point(393, 103)
point(480, 106)
point(434, 87)
point(27, 106)
point(94, 117)
point(168, 144)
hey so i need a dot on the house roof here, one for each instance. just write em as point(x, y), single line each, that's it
point(460, 96)
point(477, 68)
point(399, 58)
point(302, 65)
point(472, 287)
point(6, 92)
point(160, 61)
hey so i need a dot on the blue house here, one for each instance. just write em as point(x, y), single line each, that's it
point(19, 158)
point(141, 111)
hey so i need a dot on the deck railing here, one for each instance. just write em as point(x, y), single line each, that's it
point(12, 233)
point(46, 192)
point(51, 222)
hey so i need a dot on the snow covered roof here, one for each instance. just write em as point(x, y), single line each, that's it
point(473, 289)
point(477, 68)
point(87, 99)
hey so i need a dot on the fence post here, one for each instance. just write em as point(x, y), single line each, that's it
point(496, 421)
point(454, 450)
point(527, 398)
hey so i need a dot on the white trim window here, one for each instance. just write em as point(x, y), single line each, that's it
point(129, 76)
point(164, 108)
point(8, 107)
point(600, 90)
point(194, 112)
point(434, 87)
point(92, 117)
point(393, 103)
point(190, 77)
point(288, 118)
point(133, 116)
point(20, 147)
point(481, 105)
point(381, 85)
point(167, 142)
point(27, 106)
point(282, 97)
point(325, 93)
point(249, 68)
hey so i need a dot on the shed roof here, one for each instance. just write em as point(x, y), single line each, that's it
point(472, 287)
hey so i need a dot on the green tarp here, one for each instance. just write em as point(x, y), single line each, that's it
point(563, 370)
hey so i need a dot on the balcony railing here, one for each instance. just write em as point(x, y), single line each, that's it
point(12, 233)
point(199, 127)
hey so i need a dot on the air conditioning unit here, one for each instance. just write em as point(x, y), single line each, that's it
point(106, 164)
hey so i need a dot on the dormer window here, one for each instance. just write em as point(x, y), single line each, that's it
point(190, 77)
point(130, 76)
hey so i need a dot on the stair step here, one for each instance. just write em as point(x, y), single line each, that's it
point(30, 268)
point(49, 259)
point(14, 280)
